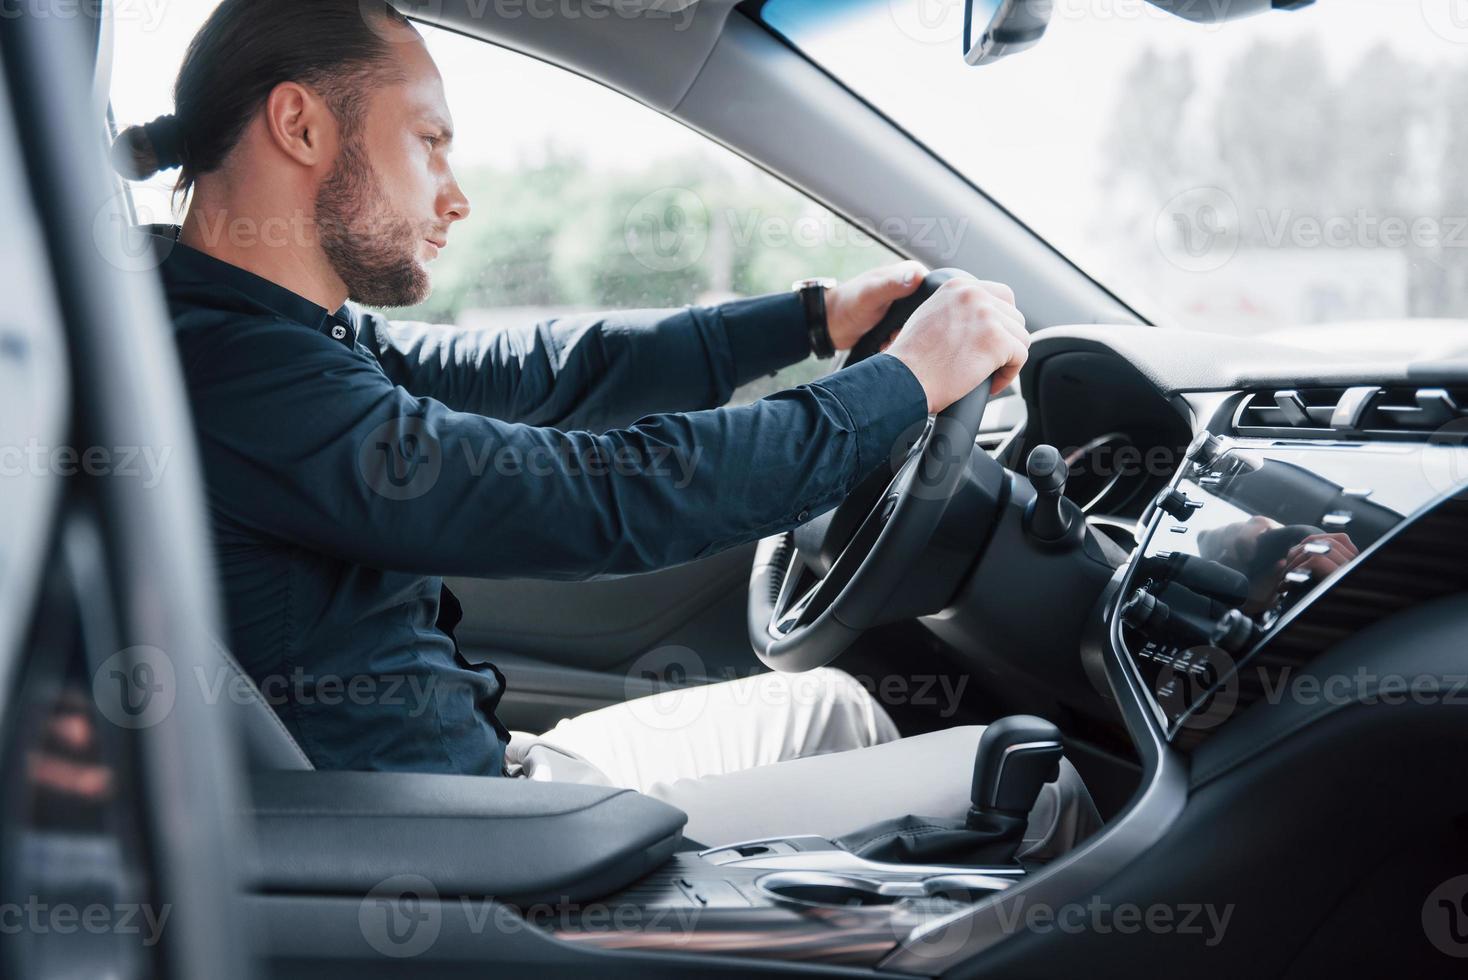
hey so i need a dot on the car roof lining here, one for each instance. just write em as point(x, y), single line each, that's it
point(652, 50)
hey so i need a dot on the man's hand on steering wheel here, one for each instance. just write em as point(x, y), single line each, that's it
point(813, 590)
point(968, 330)
point(858, 304)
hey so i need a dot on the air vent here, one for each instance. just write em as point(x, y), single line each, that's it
point(1421, 411)
point(1288, 410)
point(1392, 412)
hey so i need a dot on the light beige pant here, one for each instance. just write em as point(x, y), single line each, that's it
point(783, 754)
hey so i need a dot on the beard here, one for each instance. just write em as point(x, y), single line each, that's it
point(370, 247)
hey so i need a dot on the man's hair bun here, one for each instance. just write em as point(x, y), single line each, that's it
point(139, 152)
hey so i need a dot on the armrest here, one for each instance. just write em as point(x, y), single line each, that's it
point(514, 839)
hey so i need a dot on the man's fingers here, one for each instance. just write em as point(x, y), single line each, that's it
point(898, 281)
point(999, 289)
point(910, 273)
point(1001, 301)
point(1014, 322)
point(1006, 373)
point(1003, 378)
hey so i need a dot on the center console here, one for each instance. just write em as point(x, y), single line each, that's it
point(849, 901)
point(1262, 551)
point(795, 898)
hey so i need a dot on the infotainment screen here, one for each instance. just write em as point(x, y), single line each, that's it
point(1251, 528)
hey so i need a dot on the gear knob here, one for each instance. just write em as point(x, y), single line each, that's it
point(1016, 756)
point(1049, 518)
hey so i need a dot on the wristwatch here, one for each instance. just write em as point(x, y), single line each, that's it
point(812, 294)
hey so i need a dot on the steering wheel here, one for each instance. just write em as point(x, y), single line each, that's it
point(813, 590)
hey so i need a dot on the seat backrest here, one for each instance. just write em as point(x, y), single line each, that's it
point(268, 743)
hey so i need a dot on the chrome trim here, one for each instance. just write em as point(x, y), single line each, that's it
point(930, 886)
point(841, 861)
point(1089, 447)
point(762, 840)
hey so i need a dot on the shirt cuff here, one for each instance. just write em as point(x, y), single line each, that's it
point(765, 334)
point(886, 403)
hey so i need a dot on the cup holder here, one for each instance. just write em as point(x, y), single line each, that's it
point(819, 888)
point(962, 888)
point(825, 890)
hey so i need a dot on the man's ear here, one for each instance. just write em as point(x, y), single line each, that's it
point(300, 124)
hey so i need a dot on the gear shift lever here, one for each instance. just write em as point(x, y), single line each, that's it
point(1016, 756)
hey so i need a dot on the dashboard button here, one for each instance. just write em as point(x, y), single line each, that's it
point(1176, 504)
point(1235, 632)
point(1139, 609)
point(1204, 448)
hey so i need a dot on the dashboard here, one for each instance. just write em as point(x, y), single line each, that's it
point(1276, 499)
point(1278, 504)
point(1245, 538)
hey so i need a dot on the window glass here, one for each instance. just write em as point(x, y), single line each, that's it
point(1296, 167)
point(581, 198)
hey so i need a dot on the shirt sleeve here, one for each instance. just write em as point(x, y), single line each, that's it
point(593, 371)
point(314, 445)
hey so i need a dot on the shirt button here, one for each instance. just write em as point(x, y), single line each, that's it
point(339, 332)
point(803, 516)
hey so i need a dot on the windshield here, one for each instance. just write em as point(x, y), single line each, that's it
point(1292, 168)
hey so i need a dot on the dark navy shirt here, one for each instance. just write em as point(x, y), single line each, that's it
point(350, 461)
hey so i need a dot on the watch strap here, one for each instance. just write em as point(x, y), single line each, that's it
point(812, 294)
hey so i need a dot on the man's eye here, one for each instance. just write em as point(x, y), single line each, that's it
point(432, 141)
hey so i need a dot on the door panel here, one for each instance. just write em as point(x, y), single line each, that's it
point(569, 647)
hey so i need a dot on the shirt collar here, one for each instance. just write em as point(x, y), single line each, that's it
point(182, 264)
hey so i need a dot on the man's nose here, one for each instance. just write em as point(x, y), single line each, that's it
point(456, 203)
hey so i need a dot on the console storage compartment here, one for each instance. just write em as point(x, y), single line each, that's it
point(344, 833)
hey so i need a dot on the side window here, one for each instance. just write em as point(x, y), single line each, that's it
point(584, 199)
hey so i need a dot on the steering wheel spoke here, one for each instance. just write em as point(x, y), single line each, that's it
point(791, 612)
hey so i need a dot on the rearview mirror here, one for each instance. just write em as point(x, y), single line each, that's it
point(994, 29)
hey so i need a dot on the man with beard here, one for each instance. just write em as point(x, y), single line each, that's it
point(351, 461)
